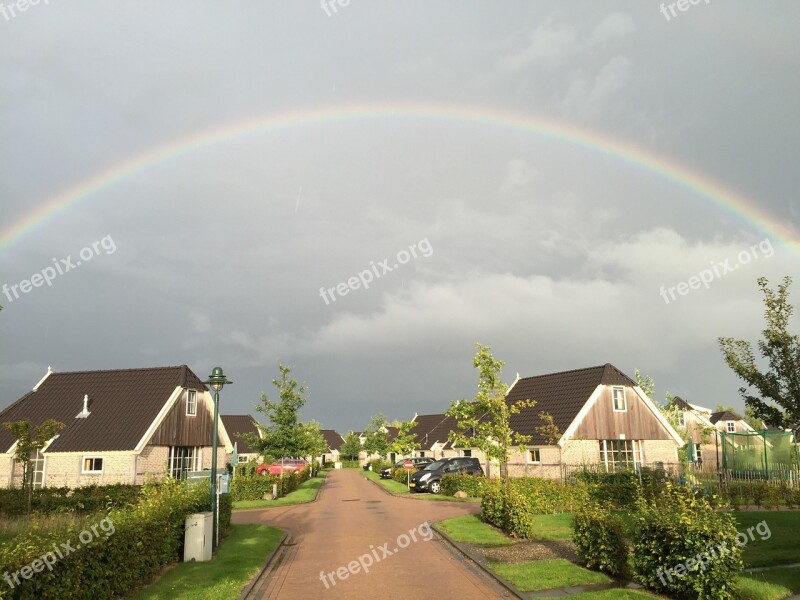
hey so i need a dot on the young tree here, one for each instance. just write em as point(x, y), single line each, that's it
point(30, 439)
point(283, 436)
point(351, 446)
point(404, 443)
point(312, 442)
point(487, 415)
point(777, 397)
point(376, 437)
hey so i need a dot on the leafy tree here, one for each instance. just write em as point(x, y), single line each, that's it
point(351, 446)
point(404, 443)
point(312, 441)
point(777, 390)
point(376, 436)
point(30, 439)
point(283, 436)
point(487, 416)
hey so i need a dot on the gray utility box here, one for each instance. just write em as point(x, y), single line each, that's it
point(197, 544)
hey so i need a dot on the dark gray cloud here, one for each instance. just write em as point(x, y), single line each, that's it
point(552, 252)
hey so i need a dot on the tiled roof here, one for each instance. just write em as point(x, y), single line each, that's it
point(724, 415)
point(430, 429)
point(122, 405)
point(562, 395)
point(681, 403)
point(333, 438)
point(237, 424)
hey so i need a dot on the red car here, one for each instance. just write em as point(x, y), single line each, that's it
point(286, 465)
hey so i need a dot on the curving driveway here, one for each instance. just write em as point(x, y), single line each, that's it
point(357, 541)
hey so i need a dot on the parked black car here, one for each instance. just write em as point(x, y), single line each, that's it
point(419, 463)
point(429, 478)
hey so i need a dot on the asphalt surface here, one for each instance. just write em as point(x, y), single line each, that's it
point(357, 541)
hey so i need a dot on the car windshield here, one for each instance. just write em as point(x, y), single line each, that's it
point(434, 465)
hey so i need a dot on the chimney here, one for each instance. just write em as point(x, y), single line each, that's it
point(85, 412)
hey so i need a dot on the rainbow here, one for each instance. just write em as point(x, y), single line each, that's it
point(679, 175)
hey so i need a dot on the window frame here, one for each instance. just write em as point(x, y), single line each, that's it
point(535, 459)
point(191, 394)
point(730, 426)
point(614, 399)
point(92, 457)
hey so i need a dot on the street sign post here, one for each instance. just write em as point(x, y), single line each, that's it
point(408, 465)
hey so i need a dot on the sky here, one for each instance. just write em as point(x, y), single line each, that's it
point(365, 190)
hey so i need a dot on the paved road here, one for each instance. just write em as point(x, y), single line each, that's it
point(355, 520)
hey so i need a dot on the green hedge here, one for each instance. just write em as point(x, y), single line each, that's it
point(685, 548)
point(600, 540)
point(507, 510)
point(83, 500)
point(400, 475)
point(550, 496)
point(256, 487)
point(122, 551)
point(469, 484)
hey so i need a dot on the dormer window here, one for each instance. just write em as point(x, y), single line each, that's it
point(191, 403)
point(618, 399)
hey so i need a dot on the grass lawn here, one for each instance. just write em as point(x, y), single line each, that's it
point(780, 548)
point(546, 574)
point(237, 560)
point(472, 530)
point(305, 493)
point(769, 585)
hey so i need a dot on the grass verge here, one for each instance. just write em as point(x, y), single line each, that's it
point(472, 530)
point(546, 574)
point(780, 548)
point(616, 594)
point(773, 584)
point(305, 493)
point(238, 559)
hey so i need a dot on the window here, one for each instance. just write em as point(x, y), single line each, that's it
point(536, 455)
point(37, 468)
point(92, 465)
point(183, 459)
point(422, 454)
point(730, 426)
point(191, 403)
point(681, 419)
point(618, 396)
point(698, 454)
point(467, 453)
point(620, 454)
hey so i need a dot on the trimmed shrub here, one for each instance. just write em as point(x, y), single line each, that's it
point(549, 496)
point(471, 485)
point(507, 510)
point(599, 537)
point(119, 553)
point(685, 548)
point(82, 500)
point(378, 464)
point(400, 474)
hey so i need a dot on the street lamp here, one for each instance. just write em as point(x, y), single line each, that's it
point(216, 381)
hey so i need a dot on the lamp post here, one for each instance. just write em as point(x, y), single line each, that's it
point(216, 381)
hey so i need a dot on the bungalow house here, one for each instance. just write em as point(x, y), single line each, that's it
point(364, 457)
point(334, 440)
point(235, 426)
point(600, 416)
point(729, 422)
point(120, 426)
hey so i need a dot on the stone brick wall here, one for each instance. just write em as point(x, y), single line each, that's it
point(64, 469)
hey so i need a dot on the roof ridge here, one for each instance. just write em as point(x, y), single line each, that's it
point(119, 370)
point(570, 371)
